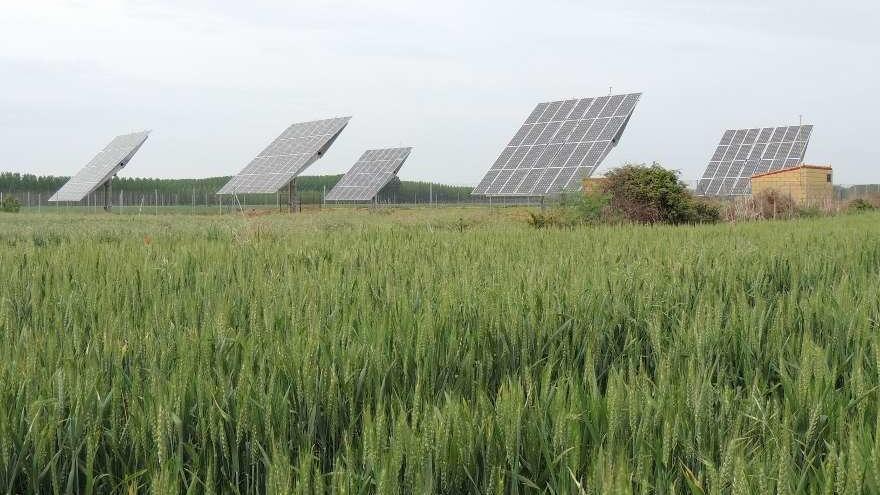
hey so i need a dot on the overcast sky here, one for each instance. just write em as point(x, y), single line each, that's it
point(217, 80)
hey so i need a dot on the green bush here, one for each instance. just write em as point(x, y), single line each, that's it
point(572, 210)
point(705, 212)
point(860, 205)
point(654, 194)
point(10, 205)
point(591, 208)
point(809, 212)
point(555, 217)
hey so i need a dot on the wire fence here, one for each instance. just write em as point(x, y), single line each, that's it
point(202, 201)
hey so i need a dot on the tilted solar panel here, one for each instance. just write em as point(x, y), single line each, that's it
point(373, 171)
point(560, 143)
point(286, 157)
point(743, 153)
point(102, 167)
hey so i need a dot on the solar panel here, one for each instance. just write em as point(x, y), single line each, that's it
point(102, 167)
point(286, 157)
point(373, 171)
point(742, 153)
point(560, 143)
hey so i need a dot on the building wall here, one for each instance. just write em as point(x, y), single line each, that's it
point(806, 186)
point(817, 188)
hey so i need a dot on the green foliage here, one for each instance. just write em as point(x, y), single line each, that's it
point(809, 212)
point(655, 195)
point(860, 205)
point(181, 191)
point(571, 211)
point(344, 352)
point(547, 218)
point(703, 211)
point(10, 205)
point(587, 208)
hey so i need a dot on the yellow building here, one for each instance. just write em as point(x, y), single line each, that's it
point(806, 184)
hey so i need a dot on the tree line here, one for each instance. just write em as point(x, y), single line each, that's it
point(311, 189)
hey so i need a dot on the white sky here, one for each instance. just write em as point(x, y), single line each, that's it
point(218, 80)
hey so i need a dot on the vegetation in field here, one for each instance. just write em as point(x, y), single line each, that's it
point(402, 352)
point(860, 205)
point(632, 193)
point(653, 194)
point(10, 205)
point(202, 191)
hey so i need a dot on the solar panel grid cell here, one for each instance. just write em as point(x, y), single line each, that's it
point(564, 110)
point(580, 109)
point(530, 180)
point(550, 111)
point(727, 138)
point(611, 129)
point(536, 113)
point(612, 106)
point(627, 106)
point(548, 132)
point(751, 136)
point(596, 108)
point(596, 129)
point(565, 130)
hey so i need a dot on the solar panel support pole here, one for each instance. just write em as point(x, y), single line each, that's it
point(292, 197)
point(107, 192)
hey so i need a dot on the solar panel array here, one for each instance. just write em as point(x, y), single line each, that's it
point(286, 157)
point(743, 153)
point(102, 167)
point(560, 143)
point(373, 171)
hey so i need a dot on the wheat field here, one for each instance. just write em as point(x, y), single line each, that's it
point(437, 351)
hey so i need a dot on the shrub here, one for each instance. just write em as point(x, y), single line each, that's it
point(655, 195)
point(10, 205)
point(773, 204)
point(860, 205)
point(544, 219)
point(705, 212)
point(592, 208)
point(586, 208)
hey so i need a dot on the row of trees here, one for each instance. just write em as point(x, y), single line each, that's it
point(182, 191)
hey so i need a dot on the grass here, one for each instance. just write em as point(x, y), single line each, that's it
point(437, 350)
